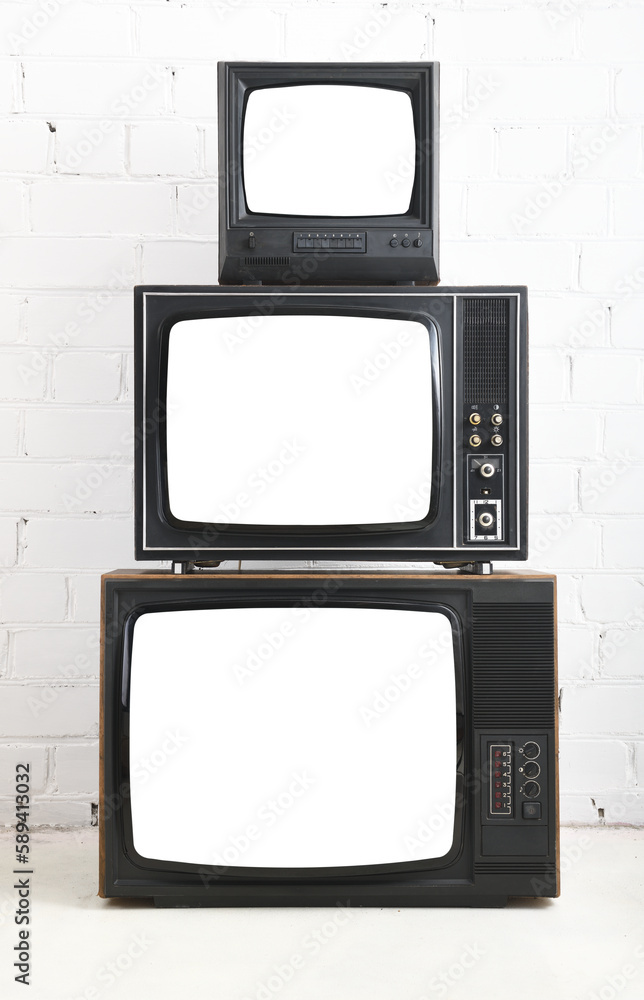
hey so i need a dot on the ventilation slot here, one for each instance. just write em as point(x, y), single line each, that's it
point(513, 648)
point(543, 868)
point(279, 261)
point(486, 350)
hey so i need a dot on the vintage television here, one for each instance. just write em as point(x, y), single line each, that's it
point(344, 424)
point(306, 739)
point(328, 172)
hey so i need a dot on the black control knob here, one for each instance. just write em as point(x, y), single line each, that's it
point(418, 242)
point(487, 470)
point(531, 769)
point(393, 243)
point(531, 789)
point(531, 750)
point(406, 242)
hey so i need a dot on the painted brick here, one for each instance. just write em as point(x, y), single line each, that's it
point(602, 708)
point(8, 541)
point(467, 151)
point(348, 35)
point(612, 598)
point(101, 89)
point(610, 150)
point(614, 487)
point(90, 147)
point(70, 488)
point(553, 488)
point(86, 597)
point(543, 266)
point(622, 433)
point(549, 207)
point(615, 267)
point(77, 768)
point(36, 757)
point(101, 207)
point(75, 29)
point(605, 378)
point(37, 710)
point(22, 375)
point(198, 209)
point(59, 653)
point(79, 433)
point(612, 34)
point(539, 93)
point(627, 317)
point(622, 650)
point(208, 33)
point(622, 543)
point(568, 321)
point(577, 656)
point(46, 262)
point(563, 541)
point(629, 91)
point(549, 376)
point(592, 765)
point(195, 91)
point(179, 262)
point(10, 332)
point(87, 378)
point(97, 319)
point(12, 206)
point(28, 597)
point(532, 151)
point(90, 543)
point(9, 424)
point(157, 149)
point(473, 36)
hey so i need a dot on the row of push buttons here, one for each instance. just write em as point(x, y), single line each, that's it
point(329, 243)
point(500, 766)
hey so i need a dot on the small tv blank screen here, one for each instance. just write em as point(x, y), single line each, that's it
point(292, 737)
point(299, 420)
point(329, 150)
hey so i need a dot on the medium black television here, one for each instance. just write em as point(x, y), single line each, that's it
point(300, 739)
point(318, 423)
point(328, 172)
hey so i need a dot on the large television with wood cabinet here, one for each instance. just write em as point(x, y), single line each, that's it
point(300, 739)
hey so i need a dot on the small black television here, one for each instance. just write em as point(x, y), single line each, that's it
point(328, 172)
point(301, 739)
point(324, 423)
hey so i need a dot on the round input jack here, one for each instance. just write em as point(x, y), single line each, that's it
point(496, 440)
point(475, 441)
point(486, 520)
point(531, 789)
point(475, 418)
point(487, 470)
point(497, 419)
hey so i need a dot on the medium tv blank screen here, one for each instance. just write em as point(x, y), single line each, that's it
point(292, 737)
point(299, 420)
point(328, 150)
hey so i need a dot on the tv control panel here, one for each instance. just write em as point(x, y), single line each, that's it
point(342, 242)
point(516, 778)
point(484, 439)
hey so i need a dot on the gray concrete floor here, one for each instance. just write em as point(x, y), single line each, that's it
point(586, 945)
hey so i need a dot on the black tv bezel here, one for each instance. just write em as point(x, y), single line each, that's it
point(245, 873)
point(467, 875)
point(420, 80)
point(160, 536)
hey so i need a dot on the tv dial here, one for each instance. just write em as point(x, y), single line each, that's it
point(486, 520)
point(531, 750)
point(531, 789)
point(531, 769)
point(496, 440)
point(497, 419)
point(475, 418)
point(475, 440)
point(487, 470)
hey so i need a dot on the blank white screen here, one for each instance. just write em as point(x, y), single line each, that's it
point(241, 756)
point(329, 150)
point(295, 420)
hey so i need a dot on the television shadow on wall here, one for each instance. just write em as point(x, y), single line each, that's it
point(353, 424)
point(328, 172)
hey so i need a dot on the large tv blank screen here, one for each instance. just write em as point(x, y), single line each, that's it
point(292, 737)
point(299, 420)
point(329, 150)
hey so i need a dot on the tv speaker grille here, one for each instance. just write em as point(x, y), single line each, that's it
point(279, 261)
point(513, 648)
point(486, 324)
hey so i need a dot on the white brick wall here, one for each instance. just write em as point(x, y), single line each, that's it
point(108, 166)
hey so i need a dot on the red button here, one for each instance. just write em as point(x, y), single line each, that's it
point(497, 753)
point(497, 784)
point(498, 805)
point(497, 774)
point(497, 795)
